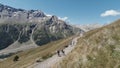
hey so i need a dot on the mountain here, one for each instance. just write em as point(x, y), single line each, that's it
point(23, 29)
point(99, 48)
point(10, 14)
point(88, 27)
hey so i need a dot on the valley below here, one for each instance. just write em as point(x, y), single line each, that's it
point(35, 39)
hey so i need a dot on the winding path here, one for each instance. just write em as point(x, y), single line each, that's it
point(55, 58)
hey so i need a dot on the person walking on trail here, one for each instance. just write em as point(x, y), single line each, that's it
point(58, 52)
point(63, 52)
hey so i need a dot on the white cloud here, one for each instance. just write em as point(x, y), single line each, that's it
point(49, 15)
point(110, 13)
point(64, 18)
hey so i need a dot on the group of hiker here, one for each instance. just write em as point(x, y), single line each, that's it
point(61, 52)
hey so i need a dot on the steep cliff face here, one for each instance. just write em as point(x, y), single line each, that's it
point(9, 33)
point(19, 25)
point(40, 33)
point(51, 30)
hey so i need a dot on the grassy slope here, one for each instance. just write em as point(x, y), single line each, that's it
point(99, 48)
point(30, 56)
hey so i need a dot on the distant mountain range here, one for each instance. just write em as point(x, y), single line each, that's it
point(23, 29)
point(88, 27)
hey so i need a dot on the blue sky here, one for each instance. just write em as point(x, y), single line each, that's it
point(75, 11)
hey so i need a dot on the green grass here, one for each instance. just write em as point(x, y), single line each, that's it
point(99, 51)
point(29, 57)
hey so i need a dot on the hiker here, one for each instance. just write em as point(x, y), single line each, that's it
point(58, 52)
point(63, 52)
point(16, 58)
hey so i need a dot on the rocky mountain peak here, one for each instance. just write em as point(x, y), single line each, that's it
point(7, 12)
point(54, 18)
